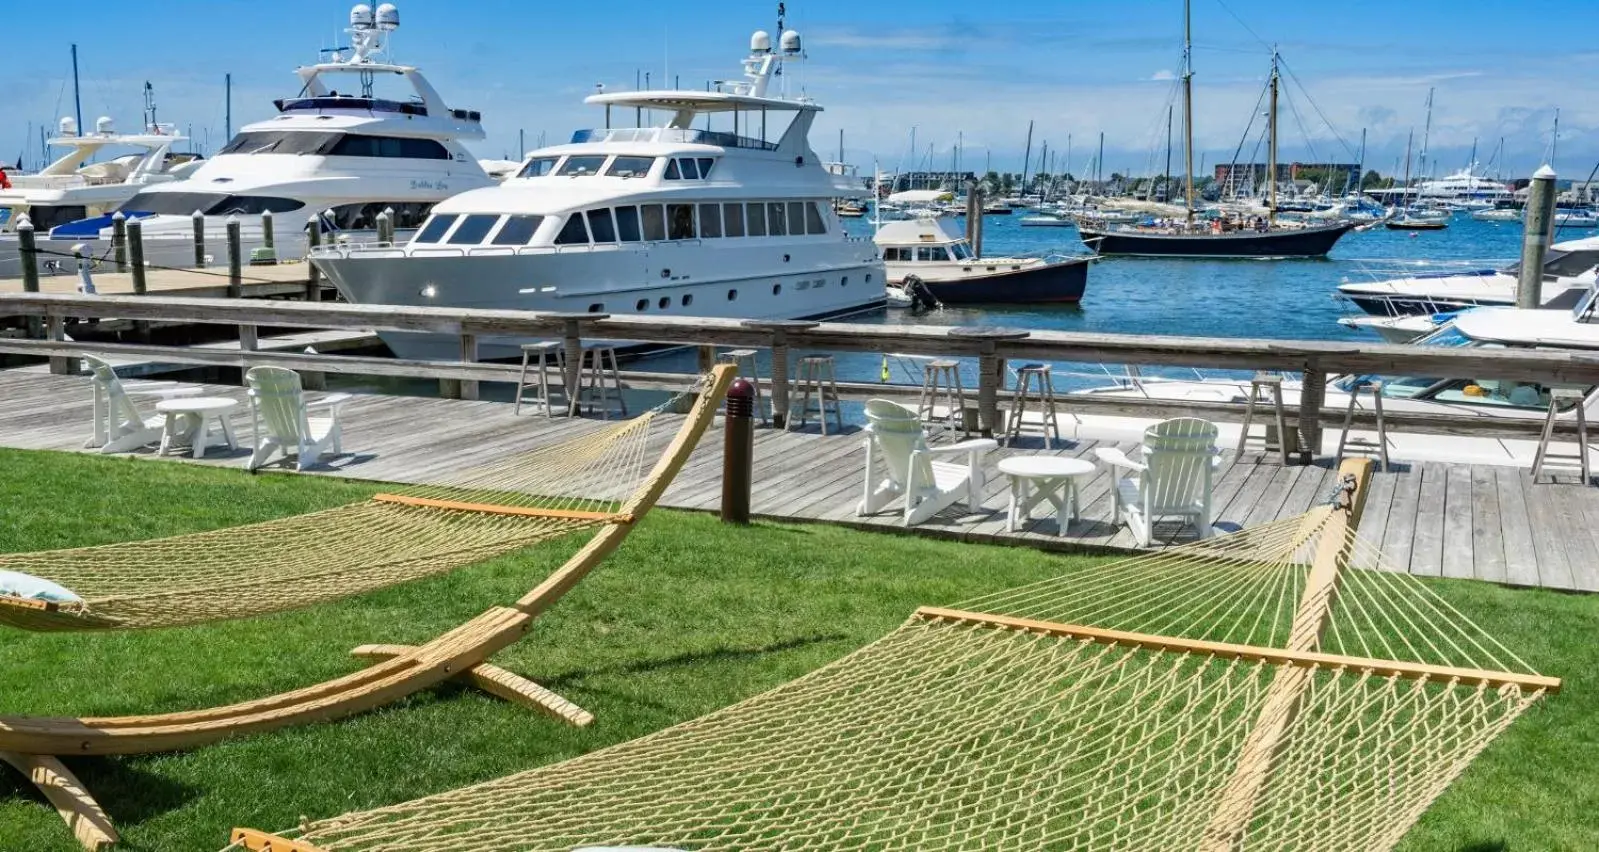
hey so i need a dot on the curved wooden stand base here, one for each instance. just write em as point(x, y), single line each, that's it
point(500, 683)
point(63, 790)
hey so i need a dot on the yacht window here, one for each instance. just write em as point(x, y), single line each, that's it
point(705, 166)
point(654, 222)
point(434, 230)
point(539, 167)
point(688, 299)
point(282, 142)
point(573, 232)
point(627, 224)
point(710, 220)
point(517, 230)
point(732, 295)
point(630, 167)
point(733, 220)
point(962, 251)
point(472, 229)
point(664, 302)
point(796, 218)
point(364, 216)
point(580, 166)
point(776, 221)
point(597, 308)
point(690, 170)
point(814, 223)
point(600, 225)
point(671, 170)
point(680, 218)
point(930, 254)
point(641, 305)
point(209, 203)
point(756, 218)
point(358, 145)
point(253, 205)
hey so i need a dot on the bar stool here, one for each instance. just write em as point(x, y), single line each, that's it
point(1345, 442)
point(548, 356)
point(943, 377)
point(1260, 387)
point(739, 358)
point(816, 374)
point(1561, 396)
point(1026, 375)
point(599, 380)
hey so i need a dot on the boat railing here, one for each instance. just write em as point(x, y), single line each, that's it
point(687, 135)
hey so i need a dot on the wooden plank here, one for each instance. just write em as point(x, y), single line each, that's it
point(1554, 563)
point(1456, 544)
point(1515, 528)
point(1576, 534)
point(520, 511)
point(1233, 651)
point(1400, 538)
point(1374, 521)
point(1487, 539)
point(1427, 548)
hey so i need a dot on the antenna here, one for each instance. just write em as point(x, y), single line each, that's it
point(149, 106)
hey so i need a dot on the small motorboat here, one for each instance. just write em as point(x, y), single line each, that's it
point(1045, 220)
point(1410, 223)
point(934, 253)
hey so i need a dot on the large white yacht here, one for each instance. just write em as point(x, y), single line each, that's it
point(1568, 272)
point(684, 219)
point(67, 189)
point(339, 149)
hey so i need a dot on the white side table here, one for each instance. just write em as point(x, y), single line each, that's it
point(1039, 479)
point(189, 422)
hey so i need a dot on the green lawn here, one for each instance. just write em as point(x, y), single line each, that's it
point(687, 617)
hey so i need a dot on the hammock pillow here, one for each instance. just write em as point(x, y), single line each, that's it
point(18, 585)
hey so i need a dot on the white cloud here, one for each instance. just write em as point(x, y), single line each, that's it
point(1163, 74)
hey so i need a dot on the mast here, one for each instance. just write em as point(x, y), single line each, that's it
point(1188, 109)
point(1271, 146)
point(1426, 132)
point(227, 105)
point(1165, 180)
point(77, 101)
point(1554, 139)
point(1099, 163)
point(1026, 158)
point(1360, 167)
point(1472, 163)
point(1405, 196)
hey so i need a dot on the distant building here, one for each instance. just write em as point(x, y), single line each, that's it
point(1237, 176)
point(952, 181)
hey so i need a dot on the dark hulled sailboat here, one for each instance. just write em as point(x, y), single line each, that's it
point(1193, 239)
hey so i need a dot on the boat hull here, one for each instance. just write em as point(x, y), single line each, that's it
point(1305, 242)
point(1049, 283)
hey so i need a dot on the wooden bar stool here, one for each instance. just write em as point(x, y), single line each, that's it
point(1026, 376)
point(1260, 387)
point(816, 376)
point(1560, 396)
point(543, 356)
point(601, 380)
point(943, 377)
point(749, 368)
point(1345, 442)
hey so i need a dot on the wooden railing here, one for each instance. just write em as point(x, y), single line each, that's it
point(1314, 360)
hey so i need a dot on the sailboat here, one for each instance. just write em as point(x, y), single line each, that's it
point(1266, 237)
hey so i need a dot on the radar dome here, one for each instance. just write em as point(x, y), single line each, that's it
point(761, 42)
point(387, 17)
point(790, 42)
point(103, 126)
point(361, 16)
point(69, 126)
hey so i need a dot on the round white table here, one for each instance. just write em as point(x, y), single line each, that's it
point(1039, 479)
point(189, 423)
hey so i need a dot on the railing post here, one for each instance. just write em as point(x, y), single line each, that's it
point(60, 365)
point(572, 345)
point(779, 330)
point(80, 254)
point(235, 261)
point(990, 372)
point(1312, 393)
point(469, 388)
point(28, 249)
point(198, 220)
point(385, 225)
point(268, 240)
point(707, 358)
point(738, 452)
point(119, 240)
point(313, 276)
point(249, 341)
point(141, 328)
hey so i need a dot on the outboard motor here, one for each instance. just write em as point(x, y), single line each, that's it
point(922, 298)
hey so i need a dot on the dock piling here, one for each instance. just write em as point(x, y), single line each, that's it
point(119, 240)
point(198, 219)
point(80, 254)
point(29, 252)
point(385, 225)
point(267, 240)
point(313, 276)
point(1312, 394)
point(1535, 238)
point(469, 389)
point(235, 260)
point(135, 233)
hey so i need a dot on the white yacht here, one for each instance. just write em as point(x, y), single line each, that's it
point(679, 220)
point(67, 189)
point(1568, 272)
point(1464, 187)
point(338, 149)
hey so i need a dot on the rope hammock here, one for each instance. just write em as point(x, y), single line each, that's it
point(294, 562)
point(1279, 688)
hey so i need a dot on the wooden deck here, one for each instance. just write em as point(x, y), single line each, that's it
point(284, 279)
point(1487, 523)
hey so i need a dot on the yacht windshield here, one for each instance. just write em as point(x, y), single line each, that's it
point(581, 166)
point(208, 203)
point(538, 167)
point(1464, 391)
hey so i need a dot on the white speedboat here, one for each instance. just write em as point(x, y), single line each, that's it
point(1497, 214)
point(1576, 217)
point(1046, 220)
point(67, 189)
point(1403, 328)
point(339, 150)
point(677, 220)
point(1567, 273)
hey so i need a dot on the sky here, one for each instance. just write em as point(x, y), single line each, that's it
point(962, 74)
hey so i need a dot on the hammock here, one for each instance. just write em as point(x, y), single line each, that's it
point(1275, 689)
point(295, 562)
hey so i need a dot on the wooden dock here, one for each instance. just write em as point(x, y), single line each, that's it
point(283, 279)
point(1477, 522)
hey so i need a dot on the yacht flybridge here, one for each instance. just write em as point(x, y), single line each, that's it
point(720, 212)
point(67, 189)
point(338, 149)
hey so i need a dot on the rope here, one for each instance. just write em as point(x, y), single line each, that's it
point(104, 256)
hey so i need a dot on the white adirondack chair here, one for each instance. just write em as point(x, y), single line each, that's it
point(1171, 479)
point(118, 425)
point(278, 404)
point(895, 443)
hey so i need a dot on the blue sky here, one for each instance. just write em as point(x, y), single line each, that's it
point(882, 66)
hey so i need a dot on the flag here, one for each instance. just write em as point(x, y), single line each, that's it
point(884, 377)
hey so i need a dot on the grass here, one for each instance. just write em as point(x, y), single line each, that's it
point(688, 617)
